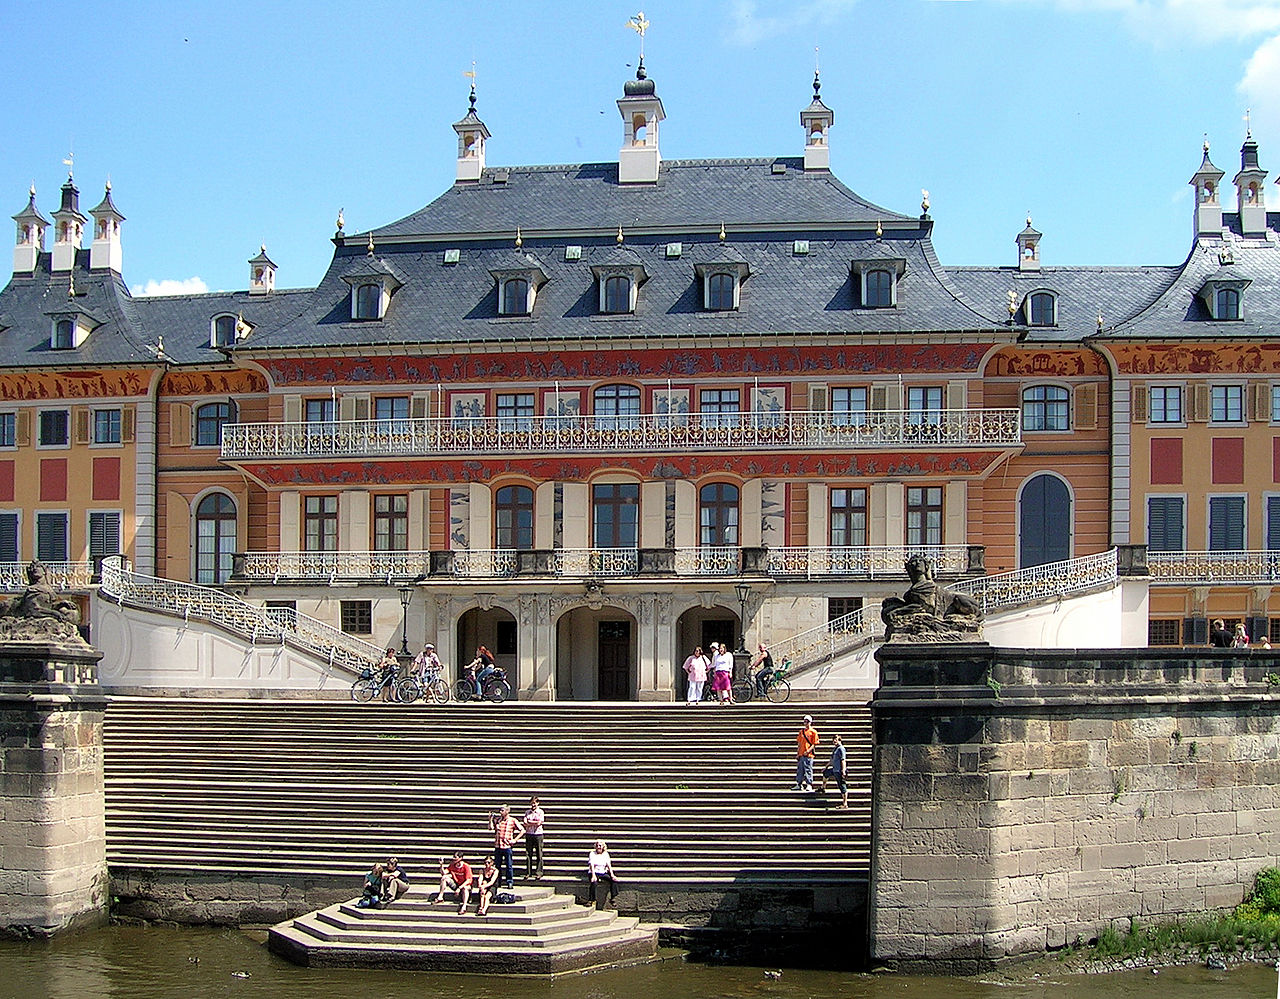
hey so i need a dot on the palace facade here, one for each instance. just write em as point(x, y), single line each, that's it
point(592, 415)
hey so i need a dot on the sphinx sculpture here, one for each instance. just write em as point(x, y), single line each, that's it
point(928, 612)
point(39, 613)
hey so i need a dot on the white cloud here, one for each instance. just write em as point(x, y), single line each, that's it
point(747, 26)
point(1180, 21)
point(171, 286)
point(1262, 72)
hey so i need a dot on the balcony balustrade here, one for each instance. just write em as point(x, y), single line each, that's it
point(870, 562)
point(60, 575)
point(650, 433)
point(1251, 568)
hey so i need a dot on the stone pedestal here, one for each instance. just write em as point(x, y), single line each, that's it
point(53, 861)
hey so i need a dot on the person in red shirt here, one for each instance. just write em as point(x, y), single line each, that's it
point(806, 742)
point(456, 877)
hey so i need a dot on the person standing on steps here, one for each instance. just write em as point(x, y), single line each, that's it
point(835, 769)
point(721, 672)
point(806, 742)
point(600, 868)
point(695, 668)
point(507, 831)
point(533, 821)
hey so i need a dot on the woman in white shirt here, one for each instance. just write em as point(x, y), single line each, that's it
point(722, 672)
point(600, 868)
point(695, 668)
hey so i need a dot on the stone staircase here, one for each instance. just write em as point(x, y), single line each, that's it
point(542, 932)
point(685, 796)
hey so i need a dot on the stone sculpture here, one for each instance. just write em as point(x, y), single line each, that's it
point(39, 613)
point(928, 612)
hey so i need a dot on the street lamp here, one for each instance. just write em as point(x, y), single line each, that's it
point(406, 597)
point(743, 590)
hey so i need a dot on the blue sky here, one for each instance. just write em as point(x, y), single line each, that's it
point(227, 125)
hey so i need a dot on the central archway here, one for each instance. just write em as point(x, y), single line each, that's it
point(596, 655)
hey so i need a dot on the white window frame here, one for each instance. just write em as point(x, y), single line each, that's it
point(14, 446)
point(529, 293)
point(1053, 317)
point(1146, 515)
point(93, 426)
point(1182, 405)
point(213, 330)
point(1228, 422)
point(1022, 404)
point(39, 416)
point(1208, 519)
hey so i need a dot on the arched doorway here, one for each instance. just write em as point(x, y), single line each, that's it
point(596, 655)
point(702, 626)
point(215, 538)
point(497, 631)
point(1044, 521)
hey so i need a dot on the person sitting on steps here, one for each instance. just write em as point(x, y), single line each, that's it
point(456, 877)
point(371, 892)
point(600, 868)
point(486, 884)
point(395, 881)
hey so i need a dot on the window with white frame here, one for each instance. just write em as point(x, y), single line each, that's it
point(54, 428)
point(924, 515)
point(1226, 403)
point(104, 534)
point(848, 517)
point(617, 294)
point(8, 429)
point(616, 406)
point(64, 334)
point(368, 304)
point(515, 411)
point(1044, 408)
point(1275, 403)
point(849, 406)
point(1226, 524)
point(877, 289)
point(1164, 404)
point(106, 426)
point(9, 548)
point(223, 333)
point(721, 289)
point(1228, 304)
point(515, 297)
point(210, 419)
point(924, 405)
point(1042, 309)
point(391, 523)
point(1166, 523)
point(716, 404)
point(52, 544)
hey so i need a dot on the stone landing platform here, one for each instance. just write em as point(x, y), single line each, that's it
point(541, 933)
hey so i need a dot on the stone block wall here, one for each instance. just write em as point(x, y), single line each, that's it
point(53, 867)
point(1025, 799)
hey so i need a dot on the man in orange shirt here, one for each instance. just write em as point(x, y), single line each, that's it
point(456, 877)
point(806, 742)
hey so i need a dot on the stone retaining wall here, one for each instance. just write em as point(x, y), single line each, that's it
point(1025, 799)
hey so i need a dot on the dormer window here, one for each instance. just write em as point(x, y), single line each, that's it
point(70, 330)
point(877, 282)
point(368, 302)
point(1228, 304)
point(720, 291)
point(1223, 294)
point(64, 334)
point(515, 297)
point(722, 279)
point(619, 275)
point(1042, 309)
point(373, 282)
point(223, 333)
point(617, 294)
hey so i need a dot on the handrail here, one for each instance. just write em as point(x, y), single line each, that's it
point(862, 560)
point(661, 432)
point(826, 641)
point(1038, 582)
point(61, 575)
point(1206, 568)
point(254, 623)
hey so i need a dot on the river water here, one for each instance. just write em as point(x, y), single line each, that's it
point(147, 962)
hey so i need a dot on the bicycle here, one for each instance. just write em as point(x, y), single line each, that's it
point(370, 685)
point(435, 686)
point(776, 686)
point(496, 687)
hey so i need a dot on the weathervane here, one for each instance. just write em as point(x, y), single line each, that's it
point(70, 164)
point(639, 25)
point(472, 74)
point(1248, 130)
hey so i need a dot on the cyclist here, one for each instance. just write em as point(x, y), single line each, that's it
point(387, 670)
point(763, 663)
point(484, 667)
point(427, 664)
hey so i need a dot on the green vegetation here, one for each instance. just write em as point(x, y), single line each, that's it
point(995, 685)
point(1273, 679)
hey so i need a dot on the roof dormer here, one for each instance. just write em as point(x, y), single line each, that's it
point(372, 282)
point(517, 280)
point(1223, 292)
point(876, 281)
point(619, 274)
point(722, 274)
point(70, 327)
point(30, 244)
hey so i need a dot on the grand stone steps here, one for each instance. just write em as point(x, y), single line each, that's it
point(323, 787)
point(541, 933)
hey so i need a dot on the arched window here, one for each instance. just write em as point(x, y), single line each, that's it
point(879, 289)
point(210, 419)
point(215, 538)
point(617, 294)
point(513, 509)
point(64, 334)
point(1228, 304)
point(1042, 309)
point(368, 301)
point(224, 331)
point(720, 291)
point(616, 406)
point(718, 514)
point(1044, 521)
point(515, 297)
point(1044, 407)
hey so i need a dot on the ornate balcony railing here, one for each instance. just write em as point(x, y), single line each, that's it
point(826, 641)
point(660, 433)
point(869, 561)
point(61, 575)
point(596, 562)
point(1055, 579)
point(1208, 568)
point(484, 562)
point(387, 566)
point(257, 624)
point(708, 561)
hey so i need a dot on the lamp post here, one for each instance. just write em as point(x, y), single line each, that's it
point(743, 590)
point(406, 597)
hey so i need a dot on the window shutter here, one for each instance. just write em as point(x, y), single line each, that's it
point(1260, 402)
point(362, 407)
point(1086, 415)
point(51, 537)
point(1226, 523)
point(104, 534)
point(179, 424)
point(1164, 524)
point(818, 399)
point(1200, 403)
point(956, 395)
point(879, 397)
point(9, 537)
point(418, 407)
point(293, 409)
point(1138, 404)
point(1273, 523)
point(22, 431)
point(80, 421)
point(347, 408)
point(126, 428)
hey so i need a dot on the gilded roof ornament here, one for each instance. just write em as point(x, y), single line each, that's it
point(519, 238)
point(639, 25)
point(722, 232)
point(371, 244)
point(924, 201)
point(1012, 304)
point(619, 235)
point(341, 221)
point(879, 229)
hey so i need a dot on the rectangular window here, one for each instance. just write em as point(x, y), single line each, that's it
point(210, 419)
point(1164, 631)
point(321, 410)
point(1165, 524)
point(390, 523)
point(838, 607)
point(8, 429)
point(104, 534)
point(320, 524)
point(1273, 523)
point(54, 428)
point(1226, 403)
point(9, 537)
point(515, 411)
point(849, 407)
point(924, 405)
point(924, 515)
point(51, 537)
point(1165, 404)
point(357, 617)
point(505, 638)
point(1226, 523)
point(106, 426)
point(615, 514)
point(848, 518)
point(1275, 403)
point(713, 402)
point(394, 407)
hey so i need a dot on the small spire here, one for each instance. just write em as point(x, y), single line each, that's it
point(924, 201)
point(341, 222)
point(70, 164)
point(1206, 145)
point(371, 244)
point(108, 183)
point(619, 235)
point(879, 229)
point(722, 232)
point(519, 238)
point(639, 25)
point(1248, 130)
point(1099, 320)
point(1028, 219)
point(817, 85)
point(472, 73)
point(33, 189)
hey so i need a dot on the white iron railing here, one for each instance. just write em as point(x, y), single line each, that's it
point(60, 575)
point(596, 562)
point(869, 561)
point(387, 566)
point(1055, 579)
point(257, 624)
point(1208, 568)
point(484, 562)
point(652, 432)
point(708, 561)
point(826, 641)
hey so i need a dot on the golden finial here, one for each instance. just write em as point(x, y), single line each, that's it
point(33, 189)
point(722, 232)
point(619, 235)
point(519, 238)
point(71, 284)
point(639, 25)
point(924, 201)
point(879, 229)
point(371, 244)
point(1012, 304)
point(1099, 320)
point(341, 221)
point(108, 183)
point(160, 345)
point(1206, 143)
point(70, 163)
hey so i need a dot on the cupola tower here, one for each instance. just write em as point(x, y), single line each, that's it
point(31, 229)
point(1207, 180)
point(817, 120)
point(472, 135)
point(1253, 212)
point(68, 228)
point(105, 251)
